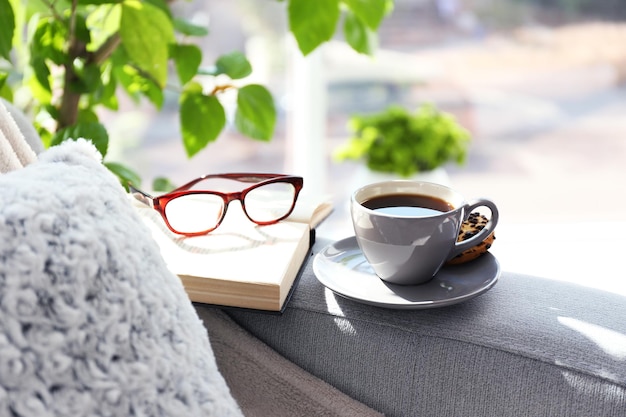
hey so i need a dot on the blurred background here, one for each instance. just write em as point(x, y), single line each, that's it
point(540, 84)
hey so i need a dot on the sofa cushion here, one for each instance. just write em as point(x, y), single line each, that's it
point(91, 321)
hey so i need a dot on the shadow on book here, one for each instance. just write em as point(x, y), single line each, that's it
point(239, 264)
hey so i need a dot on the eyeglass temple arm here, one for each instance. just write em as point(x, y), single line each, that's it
point(141, 196)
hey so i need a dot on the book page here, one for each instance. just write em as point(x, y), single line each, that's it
point(240, 263)
point(311, 209)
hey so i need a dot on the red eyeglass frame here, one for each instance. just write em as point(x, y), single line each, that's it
point(260, 179)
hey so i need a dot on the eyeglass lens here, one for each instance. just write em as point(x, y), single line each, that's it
point(269, 202)
point(194, 213)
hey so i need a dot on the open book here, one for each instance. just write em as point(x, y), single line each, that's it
point(241, 264)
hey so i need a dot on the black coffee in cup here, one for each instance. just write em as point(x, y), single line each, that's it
point(413, 205)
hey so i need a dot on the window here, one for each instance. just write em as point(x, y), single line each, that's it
point(540, 84)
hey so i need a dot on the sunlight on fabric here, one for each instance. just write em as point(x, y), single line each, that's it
point(333, 308)
point(595, 388)
point(561, 252)
point(610, 341)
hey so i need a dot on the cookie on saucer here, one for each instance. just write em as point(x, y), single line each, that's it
point(475, 223)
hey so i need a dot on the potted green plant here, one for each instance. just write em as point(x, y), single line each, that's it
point(402, 143)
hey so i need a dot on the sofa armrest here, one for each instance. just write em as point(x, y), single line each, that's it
point(529, 346)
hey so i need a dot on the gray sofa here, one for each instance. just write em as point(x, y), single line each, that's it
point(527, 347)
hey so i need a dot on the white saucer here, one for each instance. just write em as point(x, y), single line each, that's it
point(342, 268)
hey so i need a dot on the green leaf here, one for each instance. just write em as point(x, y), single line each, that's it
point(41, 71)
point(161, 5)
point(92, 131)
point(189, 29)
point(163, 185)
point(358, 36)
point(104, 22)
point(49, 40)
point(187, 59)
point(235, 65)
point(146, 33)
point(51, 111)
point(105, 94)
point(136, 85)
point(88, 79)
point(5, 89)
point(40, 94)
point(312, 22)
point(87, 116)
point(82, 32)
point(7, 28)
point(256, 114)
point(98, 2)
point(202, 118)
point(370, 12)
point(124, 174)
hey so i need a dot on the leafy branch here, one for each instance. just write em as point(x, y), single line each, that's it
point(80, 54)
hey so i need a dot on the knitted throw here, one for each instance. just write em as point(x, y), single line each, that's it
point(91, 321)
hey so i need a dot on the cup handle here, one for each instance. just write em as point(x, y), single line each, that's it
point(486, 231)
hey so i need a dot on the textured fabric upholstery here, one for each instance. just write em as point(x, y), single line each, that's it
point(266, 384)
point(528, 347)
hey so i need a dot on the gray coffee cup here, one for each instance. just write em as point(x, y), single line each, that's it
point(410, 247)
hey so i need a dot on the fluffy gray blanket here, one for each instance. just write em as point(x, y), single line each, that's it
point(91, 321)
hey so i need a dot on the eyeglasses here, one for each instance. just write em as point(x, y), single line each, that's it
point(191, 210)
